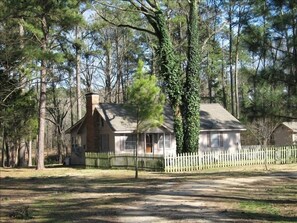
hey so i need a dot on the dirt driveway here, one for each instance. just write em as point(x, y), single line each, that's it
point(79, 195)
point(214, 199)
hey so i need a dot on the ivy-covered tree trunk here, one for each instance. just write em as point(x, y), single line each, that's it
point(191, 99)
point(171, 74)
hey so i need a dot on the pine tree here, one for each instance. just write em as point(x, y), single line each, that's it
point(146, 104)
point(45, 20)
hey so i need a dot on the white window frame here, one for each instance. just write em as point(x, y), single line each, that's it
point(215, 139)
point(132, 140)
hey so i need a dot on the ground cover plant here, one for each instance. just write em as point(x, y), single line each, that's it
point(59, 194)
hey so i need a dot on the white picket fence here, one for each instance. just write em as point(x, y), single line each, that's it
point(197, 161)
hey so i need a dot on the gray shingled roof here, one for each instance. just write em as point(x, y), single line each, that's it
point(213, 117)
point(216, 117)
point(291, 125)
point(120, 119)
point(76, 126)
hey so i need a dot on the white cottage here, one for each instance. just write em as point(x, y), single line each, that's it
point(108, 127)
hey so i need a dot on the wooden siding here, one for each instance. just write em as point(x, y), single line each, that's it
point(282, 136)
point(231, 141)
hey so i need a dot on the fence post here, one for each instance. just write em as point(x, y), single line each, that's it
point(265, 158)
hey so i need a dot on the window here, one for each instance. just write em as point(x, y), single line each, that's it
point(215, 140)
point(148, 143)
point(295, 139)
point(161, 141)
point(130, 143)
point(167, 141)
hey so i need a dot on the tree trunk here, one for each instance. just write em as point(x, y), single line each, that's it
point(13, 155)
point(178, 129)
point(107, 69)
point(119, 53)
point(209, 79)
point(170, 71)
point(237, 105)
point(136, 149)
point(224, 86)
point(42, 99)
point(236, 83)
point(22, 154)
point(3, 149)
point(30, 152)
point(41, 121)
point(22, 146)
point(231, 60)
point(71, 102)
point(7, 154)
point(60, 146)
point(191, 99)
point(136, 155)
point(77, 71)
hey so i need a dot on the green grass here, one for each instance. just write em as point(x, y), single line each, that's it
point(258, 207)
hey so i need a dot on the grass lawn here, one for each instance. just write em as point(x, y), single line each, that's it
point(59, 194)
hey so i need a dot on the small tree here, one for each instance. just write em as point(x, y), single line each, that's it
point(146, 104)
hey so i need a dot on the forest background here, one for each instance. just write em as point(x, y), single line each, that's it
point(241, 54)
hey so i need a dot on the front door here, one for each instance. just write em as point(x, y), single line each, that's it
point(149, 143)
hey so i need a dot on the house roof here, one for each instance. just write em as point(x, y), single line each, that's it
point(121, 120)
point(213, 117)
point(77, 126)
point(291, 125)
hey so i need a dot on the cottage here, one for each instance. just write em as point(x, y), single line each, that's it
point(108, 127)
point(285, 134)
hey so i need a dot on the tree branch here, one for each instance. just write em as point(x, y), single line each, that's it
point(211, 35)
point(125, 25)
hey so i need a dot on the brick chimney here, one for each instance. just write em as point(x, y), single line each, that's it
point(92, 100)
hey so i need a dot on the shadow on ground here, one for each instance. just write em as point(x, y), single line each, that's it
point(195, 197)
